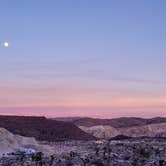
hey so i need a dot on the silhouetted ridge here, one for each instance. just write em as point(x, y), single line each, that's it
point(42, 128)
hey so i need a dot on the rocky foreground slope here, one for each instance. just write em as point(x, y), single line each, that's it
point(10, 143)
point(132, 152)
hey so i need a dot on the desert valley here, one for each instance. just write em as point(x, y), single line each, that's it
point(82, 83)
point(39, 141)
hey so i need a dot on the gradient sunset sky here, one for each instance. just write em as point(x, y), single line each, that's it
point(98, 58)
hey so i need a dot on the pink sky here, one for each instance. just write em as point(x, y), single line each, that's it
point(83, 58)
point(74, 101)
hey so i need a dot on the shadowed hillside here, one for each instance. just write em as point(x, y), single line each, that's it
point(42, 128)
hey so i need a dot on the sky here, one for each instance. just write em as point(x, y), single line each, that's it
point(83, 58)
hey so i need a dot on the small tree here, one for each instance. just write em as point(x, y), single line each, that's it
point(52, 160)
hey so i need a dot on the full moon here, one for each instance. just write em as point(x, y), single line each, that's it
point(6, 44)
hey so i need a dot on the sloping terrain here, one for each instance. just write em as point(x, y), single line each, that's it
point(152, 130)
point(42, 128)
point(101, 131)
point(9, 141)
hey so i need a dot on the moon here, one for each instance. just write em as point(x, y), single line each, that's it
point(6, 44)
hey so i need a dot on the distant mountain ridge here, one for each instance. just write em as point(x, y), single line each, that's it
point(116, 122)
point(69, 119)
point(127, 126)
point(42, 128)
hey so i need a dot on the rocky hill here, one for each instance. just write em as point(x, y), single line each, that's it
point(101, 131)
point(152, 130)
point(42, 128)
